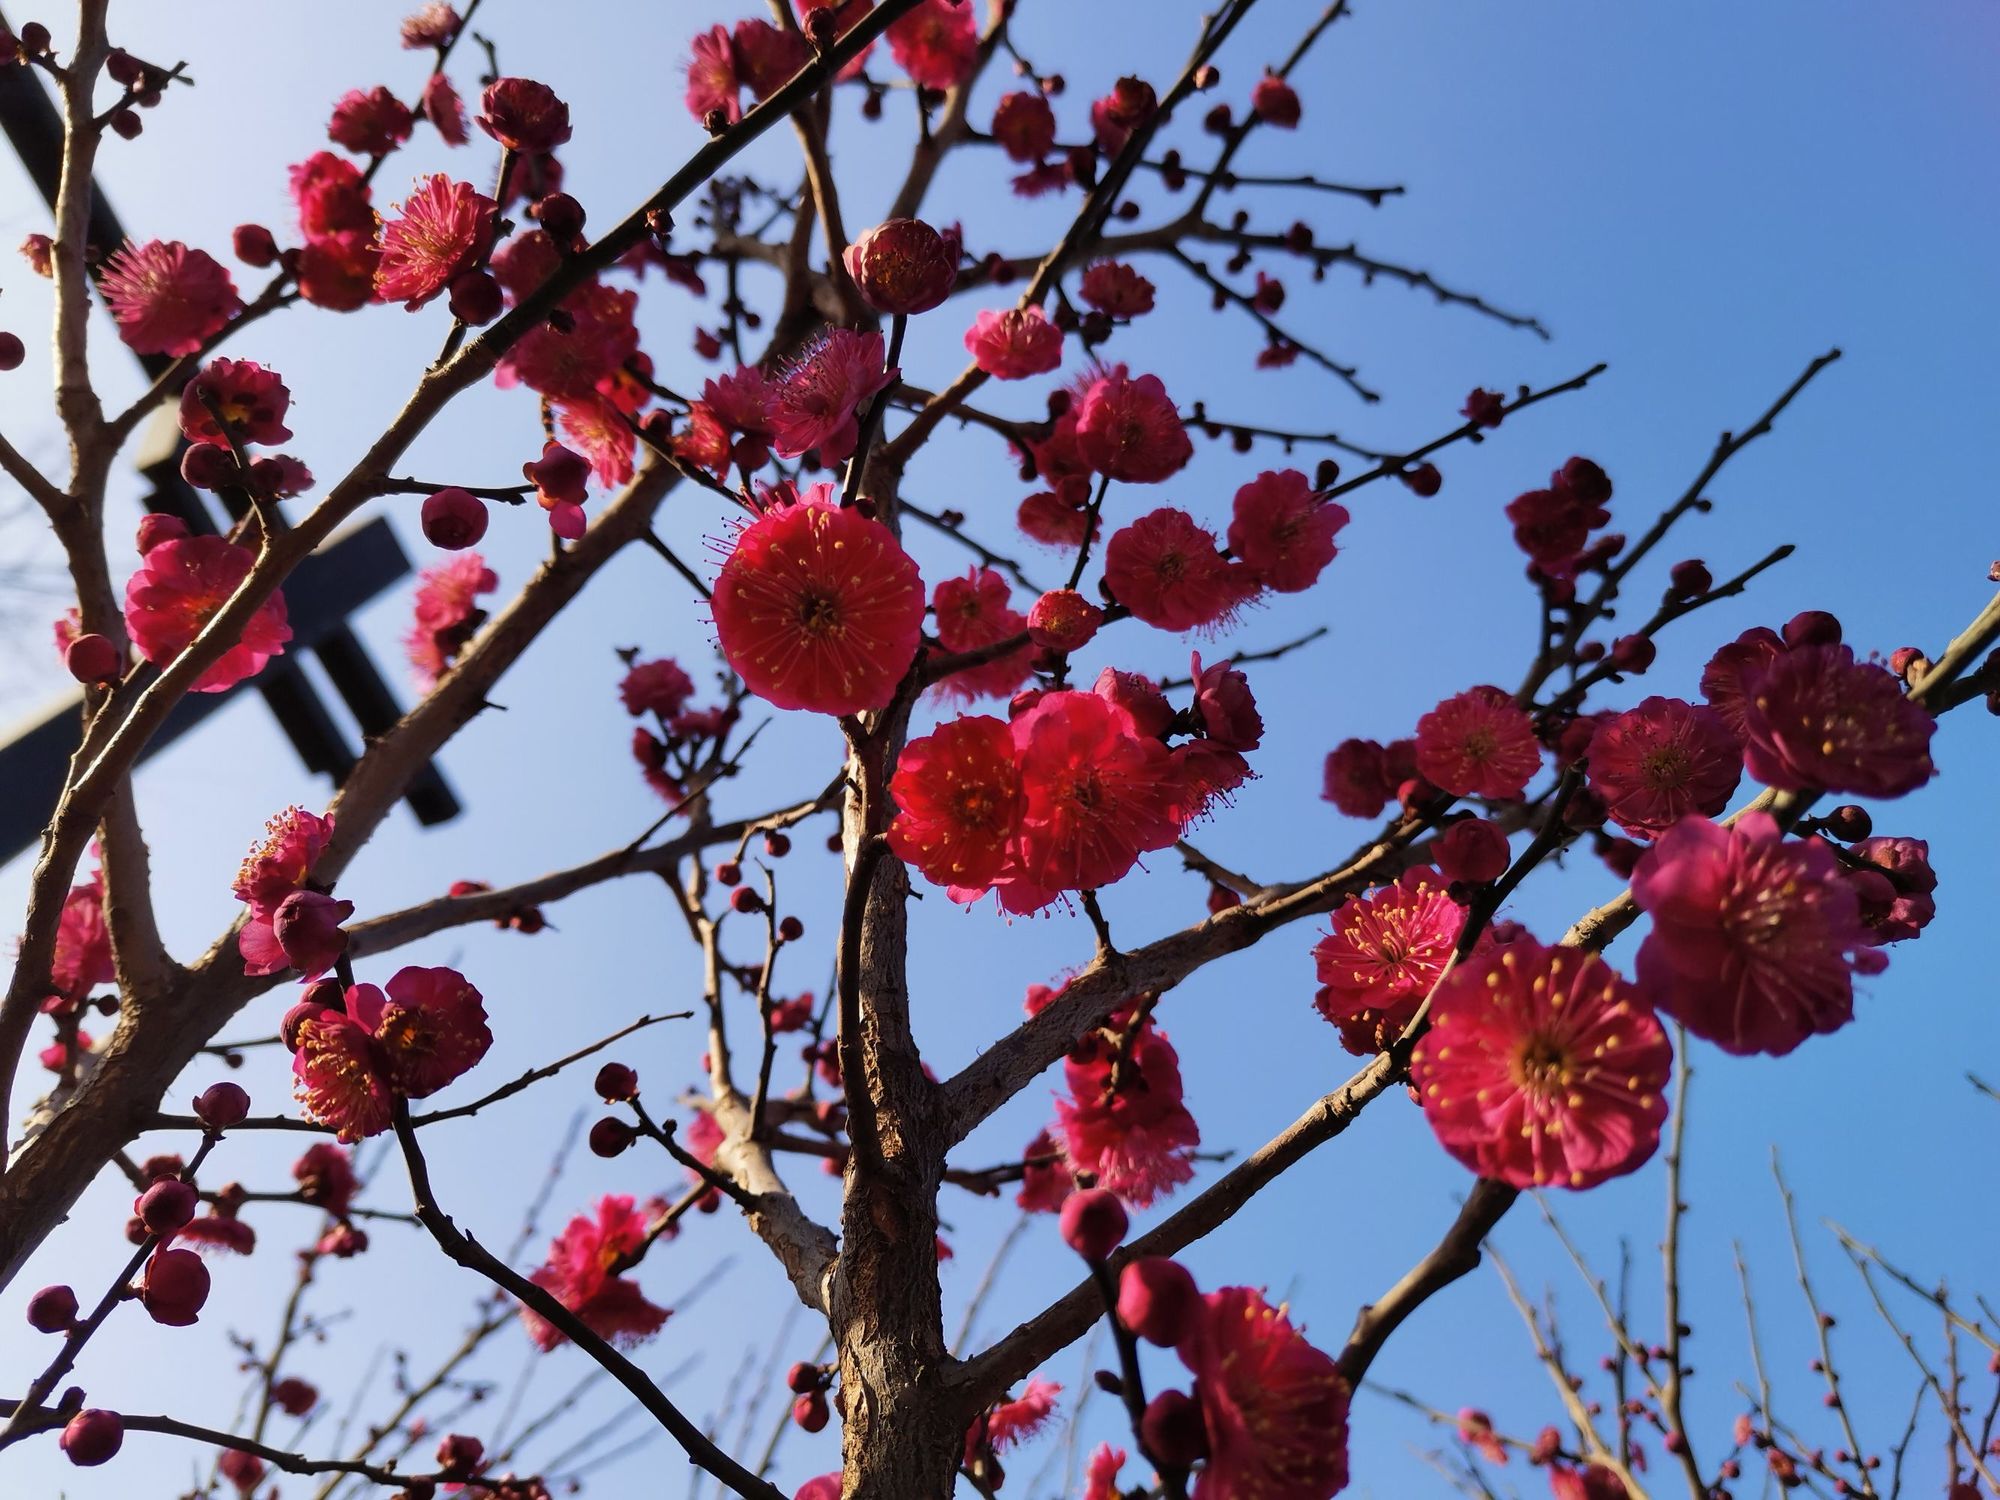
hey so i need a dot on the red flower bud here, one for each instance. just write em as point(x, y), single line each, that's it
point(1633, 653)
point(208, 467)
point(254, 245)
point(616, 1083)
point(1157, 1299)
point(12, 351)
point(802, 1378)
point(1690, 579)
point(559, 476)
point(307, 924)
point(1063, 620)
point(52, 1310)
point(903, 266)
point(1472, 850)
point(1093, 1223)
point(524, 115)
point(174, 1288)
point(459, 1456)
point(293, 1396)
point(221, 1105)
point(791, 929)
point(1424, 480)
point(810, 1411)
point(1812, 627)
point(475, 298)
point(166, 1206)
point(92, 1437)
point(453, 519)
point(1275, 102)
point(744, 899)
point(610, 1136)
point(92, 658)
point(155, 529)
point(1173, 1429)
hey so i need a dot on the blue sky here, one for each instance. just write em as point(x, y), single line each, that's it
point(1704, 197)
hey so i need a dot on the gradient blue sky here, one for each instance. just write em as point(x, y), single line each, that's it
point(1704, 196)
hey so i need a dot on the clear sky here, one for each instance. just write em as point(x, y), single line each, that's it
point(1705, 196)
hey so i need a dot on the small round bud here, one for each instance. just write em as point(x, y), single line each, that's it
point(175, 1287)
point(1173, 1429)
point(127, 123)
point(52, 1310)
point(903, 266)
point(34, 38)
point(475, 298)
point(1472, 850)
point(12, 351)
point(459, 1456)
point(208, 467)
point(802, 1378)
point(221, 1105)
point(1093, 1223)
point(616, 1083)
point(453, 519)
point(166, 1206)
point(791, 929)
point(293, 1396)
point(1326, 474)
point(777, 843)
point(559, 214)
point(729, 872)
point(1690, 579)
point(810, 1410)
point(1633, 653)
point(92, 658)
point(123, 68)
point(1849, 822)
point(611, 1136)
point(1907, 661)
point(745, 899)
point(93, 1435)
point(1424, 480)
point(157, 528)
point(1157, 1299)
point(254, 245)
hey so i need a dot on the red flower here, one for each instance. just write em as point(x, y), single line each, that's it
point(220, 1233)
point(1592, 1482)
point(1224, 705)
point(1362, 777)
point(331, 196)
point(567, 363)
point(1137, 1137)
point(252, 400)
point(1129, 429)
point(767, 56)
point(1275, 102)
point(1014, 344)
point(82, 958)
point(1895, 888)
point(818, 607)
point(656, 687)
point(817, 397)
point(742, 401)
point(1543, 1067)
point(1815, 717)
point(179, 586)
point(445, 228)
point(1116, 290)
point(1100, 1475)
point(1656, 763)
point(1025, 126)
point(524, 115)
point(1478, 744)
point(337, 271)
point(337, 1074)
point(1046, 1180)
point(1275, 1407)
point(1283, 532)
point(1383, 955)
point(1063, 620)
point(447, 613)
point(280, 864)
point(973, 612)
point(431, 25)
point(1165, 568)
point(1755, 939)
point(1727, 679)
point(937, 43)
point(1011, 1421)
point(325, 1175)
point(581, 1273)
point(1099, 794)
point(712, 83)
point(596, 427)
point(166, 298)
point(958, 800)
point(369, 122)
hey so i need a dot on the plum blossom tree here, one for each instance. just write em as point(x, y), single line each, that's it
point(988, 761)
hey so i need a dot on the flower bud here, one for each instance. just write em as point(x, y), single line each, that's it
point(208, 467)
point(810, 1411)
point(307, 924)
point(1275, 102)
point(453, 519)
point(1690, 579)
point(559, 476)
point(52, 1310)
point(744, 899)
point(1848, 822)
point(222, 1105)
point(1812, 627)
point(1157, 1299)
point(560, 215)
point(459, 1456)
point(1423, 480)
point(610, 1136)
point(166, 1206)
point(1173, 1429)
point(1633, 653)
point(174, 1288)
point(524, 115)
point(903, 266)
point(12, 351)
point(92, 658)
point(475, 297)
point(791, 929)
point(802, 1378)
point(616, 1083)
point(1472, 850)
point(293, 1396)
point(92, 1437)
point(157, 528)
point(254, 245)
point(1093, 1223)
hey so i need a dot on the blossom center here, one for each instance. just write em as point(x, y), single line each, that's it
point(1666, 767)
point(1542, 1066)
point(819, 614)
